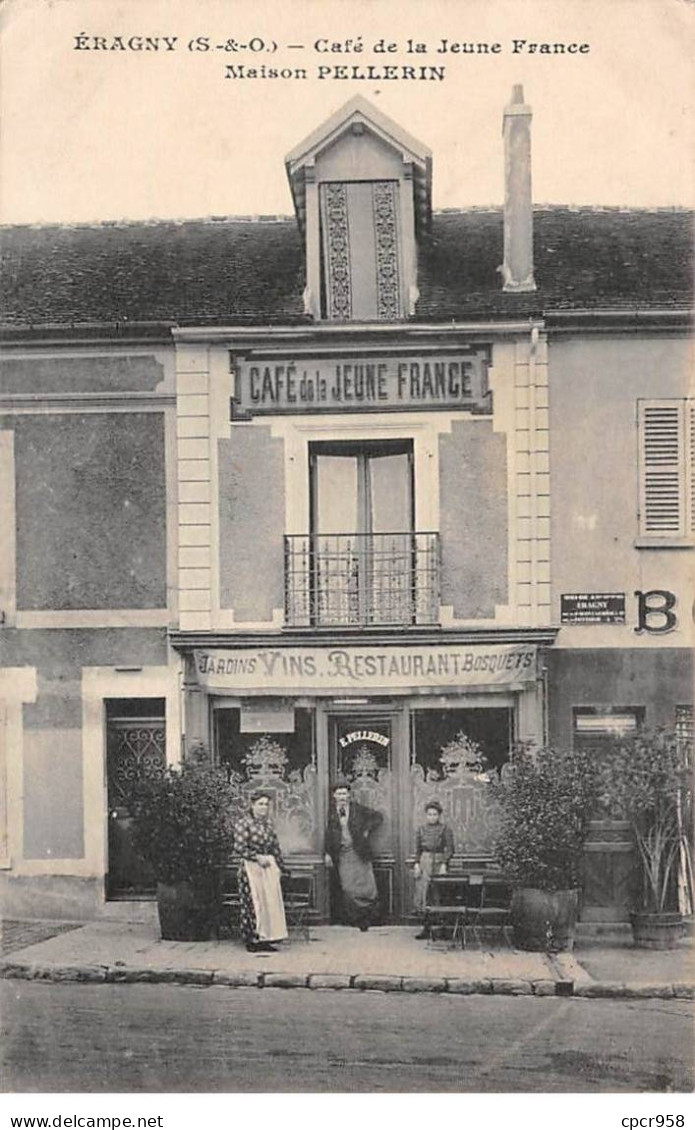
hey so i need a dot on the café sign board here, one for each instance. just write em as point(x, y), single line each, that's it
point(302, 670)
point(362, 383)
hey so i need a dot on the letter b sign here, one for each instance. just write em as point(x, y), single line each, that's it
point(654, 611)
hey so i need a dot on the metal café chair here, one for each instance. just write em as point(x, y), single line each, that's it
point(447, 909)
point(488, 903)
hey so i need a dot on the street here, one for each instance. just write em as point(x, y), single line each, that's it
point(139, 1038)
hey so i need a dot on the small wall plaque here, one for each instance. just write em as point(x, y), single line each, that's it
point(592, 608)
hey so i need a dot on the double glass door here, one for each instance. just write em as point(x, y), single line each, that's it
point(399, 758)
point(370, 750)
point(362, 533)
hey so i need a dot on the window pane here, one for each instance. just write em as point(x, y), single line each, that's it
point(389, 489)
point(336, 494)
point(617, 724)
point(447, 745)
point(596, 729)
point(284, 764)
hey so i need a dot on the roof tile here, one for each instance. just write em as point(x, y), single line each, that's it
point(245, 271)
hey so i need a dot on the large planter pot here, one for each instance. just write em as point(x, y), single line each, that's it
point(657, 931)
point(187, 913)
point(544, 920)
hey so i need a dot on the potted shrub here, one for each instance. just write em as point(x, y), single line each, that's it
point(544, 800)
point(182, 827)
point(648, 779)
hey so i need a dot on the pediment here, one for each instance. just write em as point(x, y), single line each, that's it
point(359, 142)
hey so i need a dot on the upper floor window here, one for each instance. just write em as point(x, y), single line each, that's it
point(361, 268)
point(362, 489)
point(362, 190)
point(667, 462)
point(363, 562)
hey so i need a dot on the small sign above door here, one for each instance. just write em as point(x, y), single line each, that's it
point(362, 383)
point(592, 608)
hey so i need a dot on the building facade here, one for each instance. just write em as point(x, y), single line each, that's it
point(370, 491)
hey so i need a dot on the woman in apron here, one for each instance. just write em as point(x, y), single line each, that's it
point(260, 893)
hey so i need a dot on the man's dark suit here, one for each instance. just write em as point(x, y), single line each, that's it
point(362, 822)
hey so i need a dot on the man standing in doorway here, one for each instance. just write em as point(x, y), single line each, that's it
point(349, 853)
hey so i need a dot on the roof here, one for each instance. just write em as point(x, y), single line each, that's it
point(236, 271)
point(358, 111)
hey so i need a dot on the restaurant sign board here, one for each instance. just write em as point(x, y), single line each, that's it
point(279, 670)
point(375, 383)
point(592, 608)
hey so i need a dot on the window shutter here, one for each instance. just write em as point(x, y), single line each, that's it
point(361, 258)
point(663, 450)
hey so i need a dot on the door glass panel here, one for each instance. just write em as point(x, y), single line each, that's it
point(389, 493)
point(336, 553)
point(362, 751)
point(390, 576)
point(336, 494)
point(453, 754)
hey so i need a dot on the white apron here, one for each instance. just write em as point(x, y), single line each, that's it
point(266, 896)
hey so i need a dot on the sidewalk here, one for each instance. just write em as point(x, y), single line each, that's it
point(388, 958)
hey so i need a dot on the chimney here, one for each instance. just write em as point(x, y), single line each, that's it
point(517, 270)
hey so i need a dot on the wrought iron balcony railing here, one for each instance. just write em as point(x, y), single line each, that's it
point(361, 579)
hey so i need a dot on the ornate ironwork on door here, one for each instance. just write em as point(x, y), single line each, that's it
point(136, 748)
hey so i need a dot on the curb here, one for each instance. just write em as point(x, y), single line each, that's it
point(134, 975)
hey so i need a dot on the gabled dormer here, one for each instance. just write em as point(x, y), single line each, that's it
point(362, 195)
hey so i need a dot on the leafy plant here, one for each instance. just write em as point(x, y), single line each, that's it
point(182, 821)
point(648, 779)
point(544, 799)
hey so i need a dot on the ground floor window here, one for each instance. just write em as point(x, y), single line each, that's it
point(283, 761)
point(596, 727)
point(487, 736)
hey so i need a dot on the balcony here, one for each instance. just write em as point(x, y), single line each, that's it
point(361, 580)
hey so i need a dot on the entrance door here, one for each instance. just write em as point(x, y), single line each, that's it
point(369, 749)
point(135, 746)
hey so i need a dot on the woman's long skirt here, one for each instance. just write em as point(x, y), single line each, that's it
point(357, 886)
point(262, 910)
